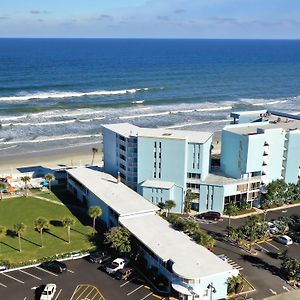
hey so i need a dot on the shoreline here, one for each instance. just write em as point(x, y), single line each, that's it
point(53, 159)
point(73, 156)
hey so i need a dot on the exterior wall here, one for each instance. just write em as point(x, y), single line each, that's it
point(292, 163)
point(110, 151)
point(219, 283)
point(233, 154)
point(172, 164)
point(211, 198)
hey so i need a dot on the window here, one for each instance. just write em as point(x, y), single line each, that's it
point(242, 187)
point(154, 154)
point(159, 175)
point(154, 174)
point(155, 145)
point(122, 147)
point(159, 144)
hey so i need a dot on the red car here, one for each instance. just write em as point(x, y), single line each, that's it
point(210, 215)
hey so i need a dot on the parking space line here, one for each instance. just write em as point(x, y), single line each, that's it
point(46, 271)
point(128, 281)
point(1, 284)
point(273, 292)
point(86, 296)
point(285, 288)
point(30, 274)
point(147, 296)
point(262, 247)
point(11, 277)
point(273, 246)
point(58, 294)
point(75, 291)
point(79, 297)
point(139, 287)
point(159, 297)
point(70, 271)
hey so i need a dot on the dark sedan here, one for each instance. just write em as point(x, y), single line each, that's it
point(210, 215)
point(54, 266)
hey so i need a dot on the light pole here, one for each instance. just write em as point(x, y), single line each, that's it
point(212, 289)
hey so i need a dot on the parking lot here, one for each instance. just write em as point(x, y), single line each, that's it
point(82, 280)
point(261, 270)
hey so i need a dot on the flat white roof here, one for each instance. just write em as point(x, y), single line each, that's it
point(191, 261)
point(127, 130)
point(158, 184)
point(118, 196)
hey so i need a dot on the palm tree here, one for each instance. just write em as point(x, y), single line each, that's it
point(189, 197)
point(26, 179)
point(40, 224)
point(94, 150)
point(169, 204)
point(94, 213)
point(2, 232)
point(2, 187)
point(251, 227)
point(49, 178)
point(119, 239)
point(231, 210)
point(68, 222)
point(19, 229)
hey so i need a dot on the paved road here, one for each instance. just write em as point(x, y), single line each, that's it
point(25, 284)
point(261, 270)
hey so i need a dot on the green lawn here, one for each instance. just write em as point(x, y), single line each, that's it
point(26, 210)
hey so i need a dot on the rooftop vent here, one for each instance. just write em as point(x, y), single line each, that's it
point(166, 134)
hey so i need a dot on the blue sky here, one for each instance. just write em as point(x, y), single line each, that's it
point(151, 18)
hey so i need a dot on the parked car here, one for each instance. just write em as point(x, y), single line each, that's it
point(2, 268)
point(272, 228)
point(124, 274)
point(54, 266)
point(99, 257)
point(210, 215)
point(115, 265)
point(284, 239)
point(223, 257)
point(48, 292)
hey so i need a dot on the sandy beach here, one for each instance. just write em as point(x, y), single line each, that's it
point(53, 159)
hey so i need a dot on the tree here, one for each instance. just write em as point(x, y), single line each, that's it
point(19, 229)
point(291, 268)
point(49, 178)
point(94, 151)
point(119, 239)
point(231, 210)
point(189, 197)
point(68, 222)
point(94, 213)
point(169, 204)
point(40, 224)
point(2, 187)
point(233, 283)
point(190, 226)
point(237, 235)
point(2, 233)
point(251, 228)
point(26, 179)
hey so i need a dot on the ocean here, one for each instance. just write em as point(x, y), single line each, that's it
point(56, 93)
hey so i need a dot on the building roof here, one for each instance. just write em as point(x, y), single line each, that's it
point(118, 196)
point(217, 177)
point(127, 130)
point(191, 261)
point(159, 184)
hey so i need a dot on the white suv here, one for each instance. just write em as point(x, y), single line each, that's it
point(115, 265)
point(48, 292)
point(284, 239)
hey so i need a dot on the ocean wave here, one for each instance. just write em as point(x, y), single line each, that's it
point(170, 112)
point(61, 95)
point(197, 123)
point(50, 139)
point(52, 122)
point(265, 101)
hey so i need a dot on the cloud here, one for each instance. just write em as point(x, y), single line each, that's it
point(104, 17)
point(4, 18)
point(40, 12)
point(179, 11)
point(162, 18)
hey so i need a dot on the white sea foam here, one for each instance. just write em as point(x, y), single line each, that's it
point(170, 112)
point(61, 95)
point(51, 122)
point(197, 123)
point(10, 147)
point(49, 139)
